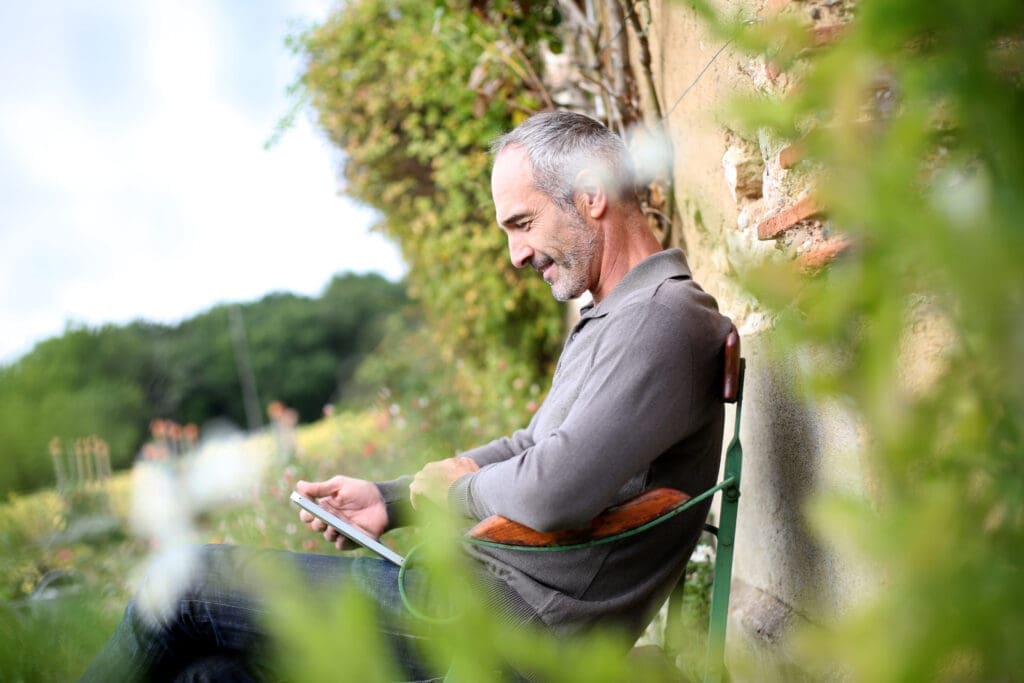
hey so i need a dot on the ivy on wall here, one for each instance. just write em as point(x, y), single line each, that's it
point(414, 93)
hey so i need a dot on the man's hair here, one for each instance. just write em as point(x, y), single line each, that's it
point(559, 144)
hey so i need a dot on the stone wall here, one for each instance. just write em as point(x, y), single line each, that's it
point(743, 200)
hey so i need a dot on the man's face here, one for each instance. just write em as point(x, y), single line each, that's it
point(558, 244)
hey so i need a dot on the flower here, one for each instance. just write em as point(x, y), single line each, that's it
point(168, 497)
point(275, 409)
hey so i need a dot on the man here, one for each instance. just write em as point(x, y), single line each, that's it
point(634, 404)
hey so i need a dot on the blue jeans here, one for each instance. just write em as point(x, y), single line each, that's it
point(216, 631)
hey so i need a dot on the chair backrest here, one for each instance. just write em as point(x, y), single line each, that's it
point(731, 385)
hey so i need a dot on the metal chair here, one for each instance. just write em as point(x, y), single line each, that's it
point(654, 507)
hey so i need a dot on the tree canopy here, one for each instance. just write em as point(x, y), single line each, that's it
point(113, 380)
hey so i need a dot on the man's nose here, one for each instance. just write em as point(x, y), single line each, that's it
point(519, 251)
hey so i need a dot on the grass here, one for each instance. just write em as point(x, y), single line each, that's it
point(64, 584)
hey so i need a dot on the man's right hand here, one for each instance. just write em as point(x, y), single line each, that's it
point(355, 500)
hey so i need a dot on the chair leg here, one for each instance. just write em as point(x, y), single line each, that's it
point(715, 666)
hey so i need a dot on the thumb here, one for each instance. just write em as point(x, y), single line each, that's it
point(315, 489)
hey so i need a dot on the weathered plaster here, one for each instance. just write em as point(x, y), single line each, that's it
point(783, 575)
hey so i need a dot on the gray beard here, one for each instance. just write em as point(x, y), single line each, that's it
point(579, 256)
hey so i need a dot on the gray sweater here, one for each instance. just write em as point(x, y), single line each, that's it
point(635, 403)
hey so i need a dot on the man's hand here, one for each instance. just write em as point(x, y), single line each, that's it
point(433, 481)
point(354, 500)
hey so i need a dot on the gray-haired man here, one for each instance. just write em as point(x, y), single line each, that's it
point(633, 404)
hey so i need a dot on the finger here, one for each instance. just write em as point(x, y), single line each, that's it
point(414, 494)
point(305, 517)
point(316, 489)
point(468, 463)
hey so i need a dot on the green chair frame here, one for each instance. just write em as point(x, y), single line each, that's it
point(725, 532)
point(652, 508)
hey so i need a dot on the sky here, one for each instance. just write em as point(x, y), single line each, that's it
point(134, 181)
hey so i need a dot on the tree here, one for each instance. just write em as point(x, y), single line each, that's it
point(392, 84)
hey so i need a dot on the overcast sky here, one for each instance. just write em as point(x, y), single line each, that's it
point(133, 178)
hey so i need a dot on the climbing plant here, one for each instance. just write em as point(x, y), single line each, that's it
point(414, 93)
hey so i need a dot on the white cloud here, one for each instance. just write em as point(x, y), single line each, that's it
point(168, 204)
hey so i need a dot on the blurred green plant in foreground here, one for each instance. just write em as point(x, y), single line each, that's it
point(912, 125)
point(471, 643)
point(313, 636)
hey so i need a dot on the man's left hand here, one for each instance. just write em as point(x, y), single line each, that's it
point(433, 481)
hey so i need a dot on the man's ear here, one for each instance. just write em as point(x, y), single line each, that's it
point(591, 195)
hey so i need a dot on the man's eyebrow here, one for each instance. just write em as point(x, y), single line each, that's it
point(515, 219)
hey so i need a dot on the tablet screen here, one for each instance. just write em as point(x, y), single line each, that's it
point(346, 529)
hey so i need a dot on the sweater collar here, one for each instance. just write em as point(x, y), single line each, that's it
point(656, 268)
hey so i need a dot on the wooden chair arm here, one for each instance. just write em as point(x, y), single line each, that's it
point(630, 515)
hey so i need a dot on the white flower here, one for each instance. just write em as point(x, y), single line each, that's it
point(222, 471)
point(168, 497)
point(703, 553)
point(165, 581)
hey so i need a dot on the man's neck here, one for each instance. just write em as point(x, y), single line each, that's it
point(625, 245)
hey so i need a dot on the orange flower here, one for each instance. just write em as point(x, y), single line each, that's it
point(158, 428)
point(275, 409)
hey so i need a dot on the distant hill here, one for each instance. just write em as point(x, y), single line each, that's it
point(112, 380)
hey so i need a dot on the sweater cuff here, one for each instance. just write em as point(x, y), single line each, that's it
point(396, 501)
point(459, 496)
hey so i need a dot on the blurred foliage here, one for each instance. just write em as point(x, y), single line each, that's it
point(52, 640)
point(470, 644)
point(912, 123)
point(414, 93)
point(95, 576)
point(113, 380)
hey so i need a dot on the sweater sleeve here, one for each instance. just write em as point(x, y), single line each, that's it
point(501, 449)
point(396, 501)
point(396, 491)
point(633, 404)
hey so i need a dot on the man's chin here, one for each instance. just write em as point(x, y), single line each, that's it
point(564, 293)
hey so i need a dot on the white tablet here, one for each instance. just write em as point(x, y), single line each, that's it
point(346, 529)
